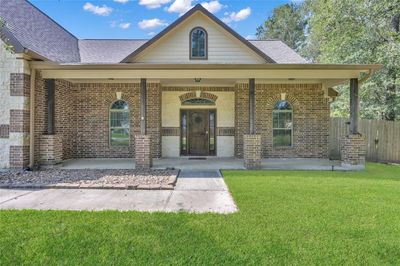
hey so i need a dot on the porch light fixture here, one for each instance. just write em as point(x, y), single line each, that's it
point(197, 80)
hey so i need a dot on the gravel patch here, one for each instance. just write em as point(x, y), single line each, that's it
point(113, 179)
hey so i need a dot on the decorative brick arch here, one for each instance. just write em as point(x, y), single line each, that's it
point(271, 101)
point(203, 95)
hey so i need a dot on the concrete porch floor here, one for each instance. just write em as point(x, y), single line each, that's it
point(209, 163)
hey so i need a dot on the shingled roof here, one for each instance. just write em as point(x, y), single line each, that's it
point(113, 51)
point(107, 51)
point(37, 32)
point(31, 29)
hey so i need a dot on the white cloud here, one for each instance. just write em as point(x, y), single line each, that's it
point(251, 37)
point(237, 16)
point(180, 6)
point(212, 6)
point(151, 4)
point(151, 23)
point(98, 10)
point(124, 25)
point(121, 1)
point(152, 33)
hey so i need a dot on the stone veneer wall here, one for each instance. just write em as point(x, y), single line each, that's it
point(310, 119)
point(14, 110)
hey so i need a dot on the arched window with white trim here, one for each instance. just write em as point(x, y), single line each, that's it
point(282, 124)
point(198, 43)
point(119, 124)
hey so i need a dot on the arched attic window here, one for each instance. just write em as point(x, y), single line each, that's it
point(198, 44)
point(119, 123)
point(282, 124)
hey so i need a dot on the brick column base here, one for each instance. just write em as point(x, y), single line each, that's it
point(143, 156)
point(252, 151)
point(50, 150)
point(353, 150)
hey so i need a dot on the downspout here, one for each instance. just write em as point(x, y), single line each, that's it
point(32, 119)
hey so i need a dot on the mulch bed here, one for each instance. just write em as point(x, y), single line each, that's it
point(90, 179)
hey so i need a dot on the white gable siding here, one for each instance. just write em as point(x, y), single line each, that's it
point(222, 46)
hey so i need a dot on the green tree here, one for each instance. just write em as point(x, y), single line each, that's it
point(363, 32)
point(287, 23)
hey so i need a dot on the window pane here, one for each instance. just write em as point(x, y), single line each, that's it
point(282, 137)
point(275, 119)
point(120, 105)
point(119, 136)
point(283, 105)
point(119, 119)
point(288, 120)
point(119, 124)
point(198, 43)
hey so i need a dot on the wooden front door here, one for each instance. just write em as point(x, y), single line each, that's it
point(198, 132)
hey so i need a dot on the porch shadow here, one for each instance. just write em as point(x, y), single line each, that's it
point(209, 163)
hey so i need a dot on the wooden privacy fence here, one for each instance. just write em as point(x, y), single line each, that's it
point(382, 138)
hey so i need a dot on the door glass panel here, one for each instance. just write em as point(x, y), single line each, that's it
point(212, 132)
point(184, 133)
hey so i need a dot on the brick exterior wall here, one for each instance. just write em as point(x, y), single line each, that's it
point(154, 117)
point(82, 118)
point(66, 113)
point(51, 151)
point(40, 115)
point(252, 151)
point(353, 151)
point(93, 104)
point(241, 117)
point(310, 119)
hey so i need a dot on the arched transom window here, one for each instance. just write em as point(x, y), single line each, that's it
point(282, 124)
point(119, 123)
point(198, 43)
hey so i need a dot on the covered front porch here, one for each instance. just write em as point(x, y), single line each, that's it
point(209, 163)
point(231, 106)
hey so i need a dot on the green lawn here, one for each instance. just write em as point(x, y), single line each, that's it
point(285, 218)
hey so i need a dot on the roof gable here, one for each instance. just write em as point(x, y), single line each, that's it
point(199, 13)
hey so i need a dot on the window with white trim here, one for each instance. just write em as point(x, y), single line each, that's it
point(282, 124)
point(119, 124)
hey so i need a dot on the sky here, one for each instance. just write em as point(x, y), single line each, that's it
point(142, 19)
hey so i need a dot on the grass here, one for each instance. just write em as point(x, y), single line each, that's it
point(285, 218)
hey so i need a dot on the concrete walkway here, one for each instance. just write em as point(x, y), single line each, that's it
point(195, 191)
